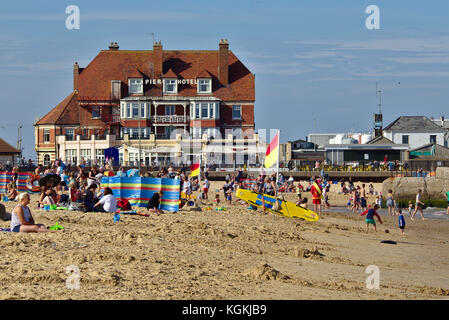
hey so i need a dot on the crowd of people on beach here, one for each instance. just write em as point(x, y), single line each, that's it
point(81, 190)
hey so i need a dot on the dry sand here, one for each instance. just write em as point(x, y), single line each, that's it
point(232, 254)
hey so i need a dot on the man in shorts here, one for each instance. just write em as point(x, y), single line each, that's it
point(370, 213)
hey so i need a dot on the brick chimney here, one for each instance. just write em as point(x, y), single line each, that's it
point(76, 73)
point(157, 59)
point(223, 64)
point(114, 46)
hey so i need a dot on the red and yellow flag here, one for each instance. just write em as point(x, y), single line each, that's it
point(195, 169)
point(272, 152)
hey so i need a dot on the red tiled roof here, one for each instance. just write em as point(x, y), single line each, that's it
point(5, 147)
point(170, 74)
point(203, 74)
point(65, 112)
point(95, 79)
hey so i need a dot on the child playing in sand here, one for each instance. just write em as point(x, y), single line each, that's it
point(217, 200)
point(401, 221)
point(370, 213)
point(12, 191)
point(229, 196)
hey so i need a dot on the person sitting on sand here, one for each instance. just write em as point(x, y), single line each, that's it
point(154, 202)
point(108, 203)
point(229, 196)
point(22, 220)
point(46, 197)
point(303, 203)
point(12, 192)
point(370, 213)
point(89, 198)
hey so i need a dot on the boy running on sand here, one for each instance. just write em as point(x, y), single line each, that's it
point(370, 213)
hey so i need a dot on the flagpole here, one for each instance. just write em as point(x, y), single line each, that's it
point(277, 163)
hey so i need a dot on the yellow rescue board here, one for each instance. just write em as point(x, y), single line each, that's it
point(285, 208)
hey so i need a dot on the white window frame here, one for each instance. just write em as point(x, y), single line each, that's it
point(175, 86)
point(71, 154)
point(207, 82)
point(234, 107)
point(135, 82)
point(133, 107)
point(72, 133)
point(86, 154)
point(47, 133)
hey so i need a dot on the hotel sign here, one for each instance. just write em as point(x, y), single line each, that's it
point(178, 81)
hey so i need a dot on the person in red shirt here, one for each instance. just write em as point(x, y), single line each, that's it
point(317, 193)
point(370, 213)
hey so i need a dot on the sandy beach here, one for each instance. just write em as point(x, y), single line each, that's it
point(232, 254)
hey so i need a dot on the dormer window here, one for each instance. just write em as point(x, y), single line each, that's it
point(170, 86)
point(135, 86)
point(204, 85)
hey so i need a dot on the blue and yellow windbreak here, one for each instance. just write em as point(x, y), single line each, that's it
point(6, 178)
point(138, 191)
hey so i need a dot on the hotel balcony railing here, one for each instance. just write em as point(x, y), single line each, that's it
point(170, 119)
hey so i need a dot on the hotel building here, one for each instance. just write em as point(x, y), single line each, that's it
point(154, 103)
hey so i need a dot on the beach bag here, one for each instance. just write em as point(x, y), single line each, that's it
point(75, 206)
point(124, 204)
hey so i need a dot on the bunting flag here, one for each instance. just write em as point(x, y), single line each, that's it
point(6, 178)
point(138, 191)
point(271, 157)
point(195, 169)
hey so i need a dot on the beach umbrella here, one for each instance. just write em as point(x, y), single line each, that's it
point(49, 179)
point(133, 173)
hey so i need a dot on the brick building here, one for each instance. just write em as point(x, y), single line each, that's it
point(149, 102)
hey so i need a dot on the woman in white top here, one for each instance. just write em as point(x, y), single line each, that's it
point(108, 202)
point(22, 220)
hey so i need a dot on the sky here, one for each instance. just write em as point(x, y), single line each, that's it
point(316, 63)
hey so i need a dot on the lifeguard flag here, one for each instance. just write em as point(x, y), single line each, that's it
point(272, 152)
point(195, 169)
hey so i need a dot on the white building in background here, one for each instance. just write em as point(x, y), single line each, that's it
point(416, 131)
point(322, 139)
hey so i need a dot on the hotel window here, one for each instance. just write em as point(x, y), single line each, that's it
point(197, 111)
point(405, 139)
point(70, 155)
point(70, 134)
point(170, 86)
point(204, 86)
point(116, 89)
point(204, 109)
point(47, 159)
point(142, 110)
point(135, 110)
point(236, 112)
point(128, 110)
point(46, 135)
point(122, 110)
point(85, 154)
point(433, 138)
point(99, 155)
point(170, 110)
point(135, 86)
point(211, 110)
point(96, 112)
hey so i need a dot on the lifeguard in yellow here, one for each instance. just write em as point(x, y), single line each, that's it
point(317, 194)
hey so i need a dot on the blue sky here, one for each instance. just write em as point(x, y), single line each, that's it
point(312, 59)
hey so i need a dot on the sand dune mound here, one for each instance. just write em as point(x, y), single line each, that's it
point(266, 272)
